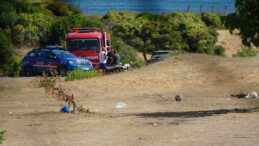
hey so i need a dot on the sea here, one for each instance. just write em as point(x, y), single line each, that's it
point(101, 7)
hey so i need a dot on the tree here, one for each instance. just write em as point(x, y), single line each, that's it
point(246, 19)
point(8, 15)
point(61, 26)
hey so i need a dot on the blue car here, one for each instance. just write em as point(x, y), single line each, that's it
point(39, 60)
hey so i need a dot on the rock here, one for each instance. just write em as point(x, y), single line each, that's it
point(177, 98)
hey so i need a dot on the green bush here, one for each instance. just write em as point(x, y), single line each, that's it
point(13, 66)
point(138, 63)
point(127, 53)
point(154, 17)
point(115, 16)
point(78, 74)
point(60, 8)
point(211, 20)
point(219, 50)
point(2, 132)
point(150, 32)
point(5, 46)
point(245, 53)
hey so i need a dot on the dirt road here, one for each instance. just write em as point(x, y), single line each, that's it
point(207, 114)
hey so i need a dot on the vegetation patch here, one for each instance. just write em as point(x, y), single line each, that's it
point(13, 66)
point(128, 53)
point(148, 32)
point(245, 53)
point(78, 74)
point(2, 132)
point(256, 106)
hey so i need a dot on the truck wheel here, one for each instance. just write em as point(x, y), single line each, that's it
point(28, 72)
point(62, 71)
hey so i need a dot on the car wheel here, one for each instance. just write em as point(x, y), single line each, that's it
point(28, 72)
point(62, 71)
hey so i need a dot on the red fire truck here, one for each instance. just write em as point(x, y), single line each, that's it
point(87, 42)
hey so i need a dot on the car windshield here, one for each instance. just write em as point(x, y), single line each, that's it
point(65, 55)
point(84, 44)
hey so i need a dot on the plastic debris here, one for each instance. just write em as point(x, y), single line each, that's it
point(120, 105)
point(252, 95)
point(65, 109)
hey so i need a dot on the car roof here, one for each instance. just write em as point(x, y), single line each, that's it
point(169, 51)
point(47, 50)
point(162, 51)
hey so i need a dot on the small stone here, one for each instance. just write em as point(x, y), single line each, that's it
point(177, 98)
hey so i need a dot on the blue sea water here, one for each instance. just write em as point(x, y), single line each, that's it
point(154, 6)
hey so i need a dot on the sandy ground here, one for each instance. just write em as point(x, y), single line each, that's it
point(231, 42)
point(207, 114)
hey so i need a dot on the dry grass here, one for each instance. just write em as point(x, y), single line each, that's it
point(152, 116)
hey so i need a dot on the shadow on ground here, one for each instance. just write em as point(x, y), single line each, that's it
point(191, 114)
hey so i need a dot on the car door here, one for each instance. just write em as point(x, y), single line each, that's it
point(51, 61)
point(39, 65)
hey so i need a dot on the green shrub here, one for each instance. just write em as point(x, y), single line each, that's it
point(150, 32)
point(2, 132)
point(245, 53)
point(138, 63)
point(154, 17)
point(62, 8)
point(128, 54)
point(211, 20)
point(219, 50)
point(78, 74)
point(13, 66)
point(5, 46)
point(115, 16)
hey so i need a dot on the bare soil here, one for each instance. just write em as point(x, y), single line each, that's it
point(231, 42)
point(206, 115)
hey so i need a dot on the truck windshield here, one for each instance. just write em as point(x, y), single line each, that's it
point(84, 44)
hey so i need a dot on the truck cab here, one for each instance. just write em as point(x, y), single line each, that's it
point(87, 42)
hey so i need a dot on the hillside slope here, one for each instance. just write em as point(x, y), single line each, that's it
point(231, 42)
